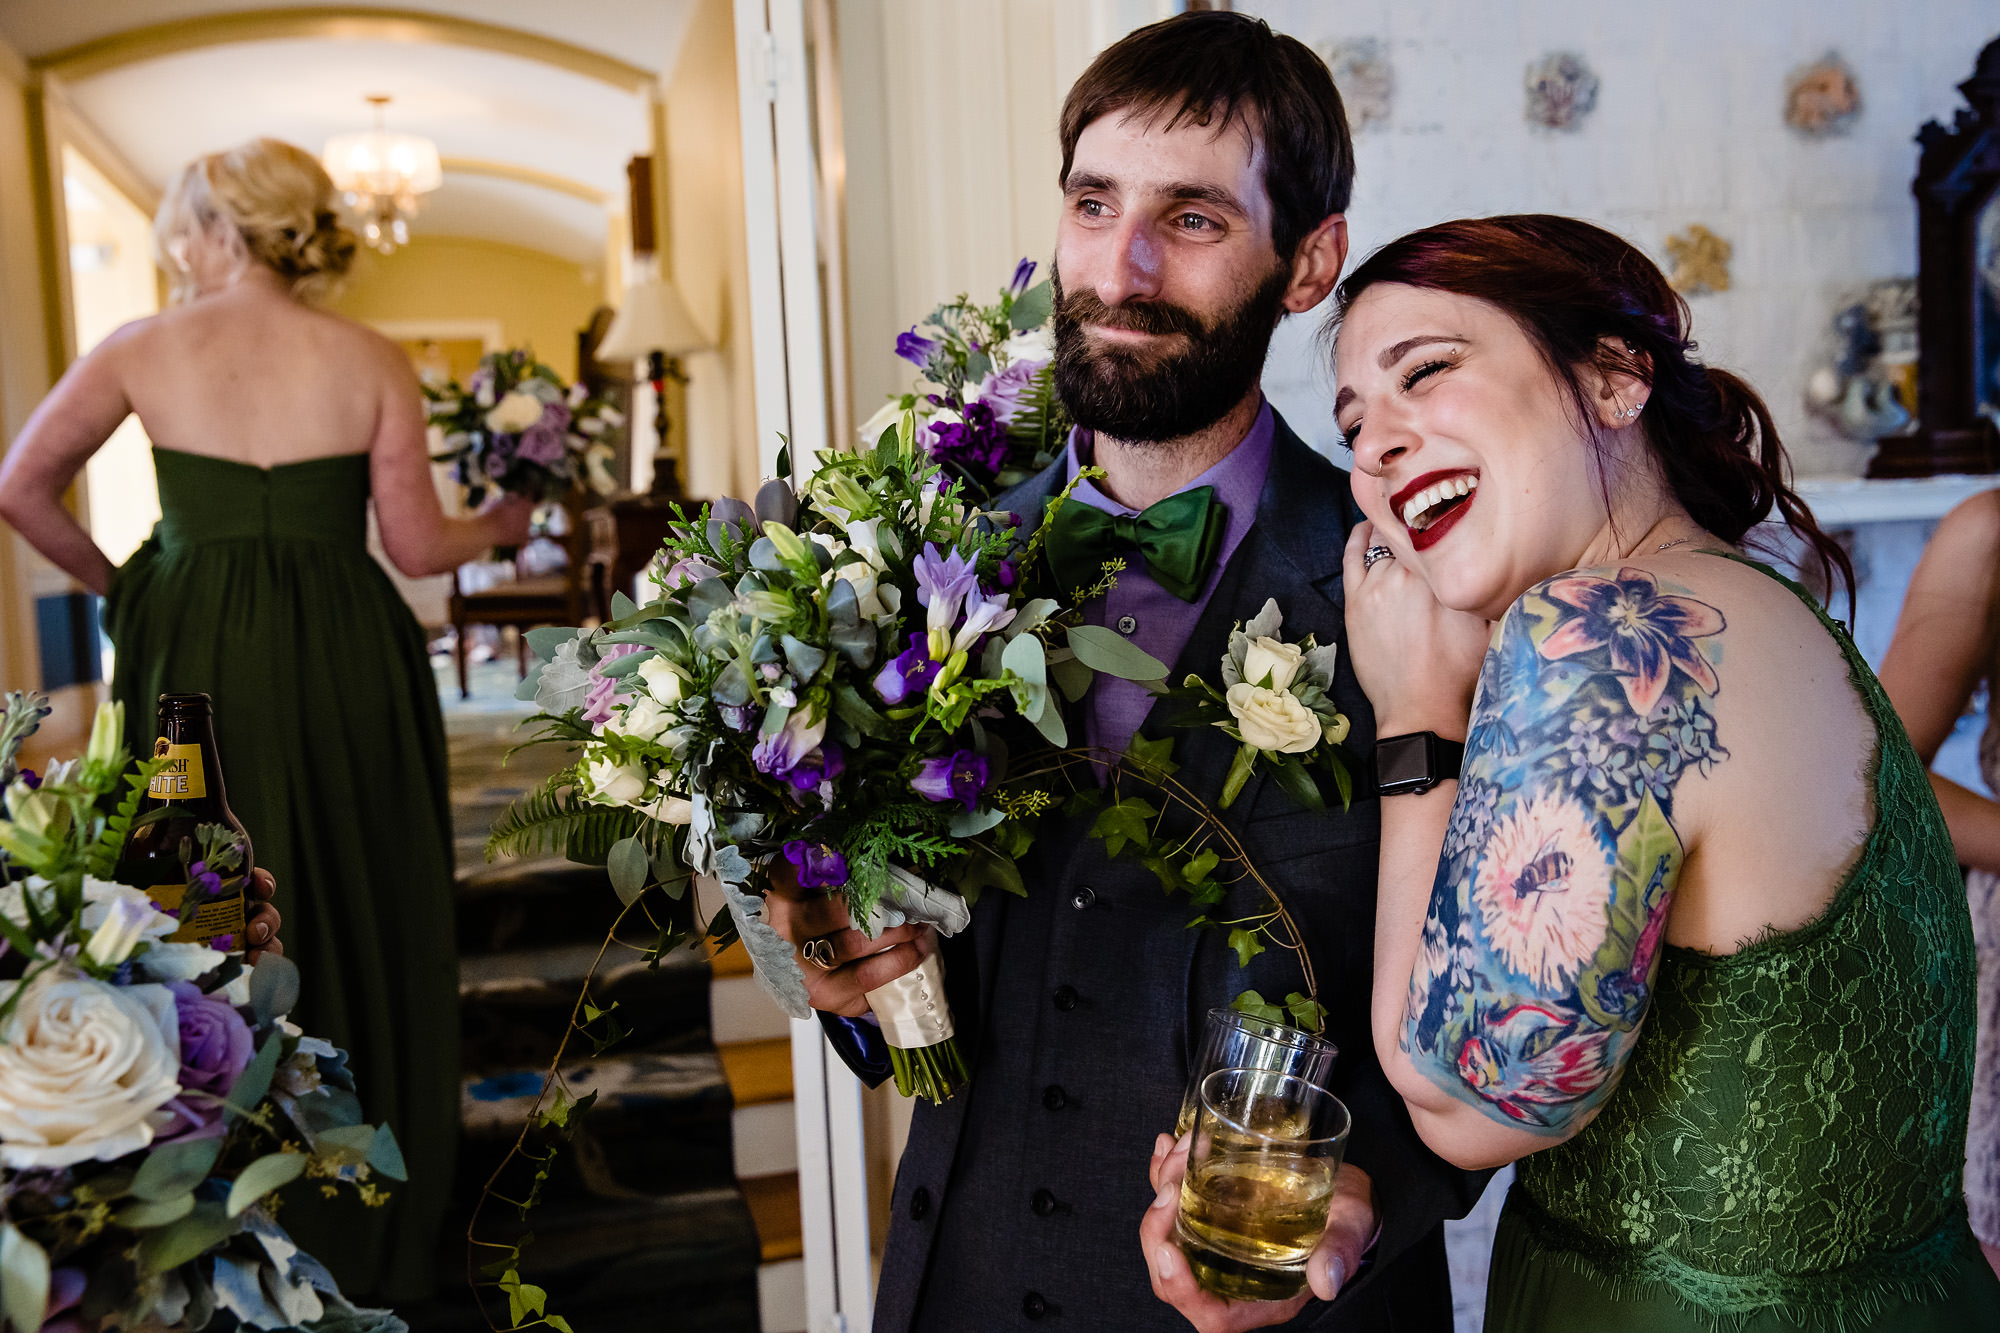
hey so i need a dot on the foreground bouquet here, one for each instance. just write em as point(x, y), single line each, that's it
point(986, 407)
point(517, 428)
point(809, 701)
point(152, 1094)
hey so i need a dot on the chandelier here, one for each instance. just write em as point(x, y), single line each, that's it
point(380, 175)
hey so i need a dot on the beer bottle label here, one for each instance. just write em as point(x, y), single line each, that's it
point(182, 778)
point(217, 921)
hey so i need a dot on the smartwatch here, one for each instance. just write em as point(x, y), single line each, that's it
point(1415, 763)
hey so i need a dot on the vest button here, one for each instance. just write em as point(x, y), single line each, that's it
point(1065, 998)
point(1043, 1203)
point(1083, 897)
point(1126, 624)
point(920, 1204)
point(1054, 1097)
point(1033, 1306)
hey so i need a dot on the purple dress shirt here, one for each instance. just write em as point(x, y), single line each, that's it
point(1140, 609)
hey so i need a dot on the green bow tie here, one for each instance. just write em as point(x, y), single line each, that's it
point(1178, 538)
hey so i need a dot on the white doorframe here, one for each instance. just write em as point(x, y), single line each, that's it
point(787, 316)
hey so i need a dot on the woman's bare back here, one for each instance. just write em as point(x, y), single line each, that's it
point(253, 376)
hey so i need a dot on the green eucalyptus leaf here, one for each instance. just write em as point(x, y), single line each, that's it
point(1071, 676)
point(262, 1176)
point(206, 1226)
point(1032, 307)
point(274, 987)
point(24, 1280)
point(629, 869)
point(145, 1216)
point(254, 1081)
point(622, 606)
point(174, 1169)
point(1107, 650)
point(349, 1145)
point(386, 1155)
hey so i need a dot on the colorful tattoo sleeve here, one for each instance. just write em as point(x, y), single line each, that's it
point(1551, 898)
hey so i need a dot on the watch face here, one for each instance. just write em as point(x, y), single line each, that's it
point(1402, 761)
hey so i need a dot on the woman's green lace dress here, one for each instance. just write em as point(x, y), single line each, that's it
point(257, 589)
point(1787, 1146)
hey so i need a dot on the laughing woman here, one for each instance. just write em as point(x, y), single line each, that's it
point(1684, 936)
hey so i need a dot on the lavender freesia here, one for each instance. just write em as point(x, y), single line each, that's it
point(781, 752)
point(943, 583)
point(1024, 273)
point(959, 777)
point(908, 673)
point(915, 348)
point(817, 865)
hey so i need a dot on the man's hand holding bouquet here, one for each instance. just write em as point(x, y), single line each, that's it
point(809, 707)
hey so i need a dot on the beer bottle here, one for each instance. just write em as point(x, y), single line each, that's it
point(165, 850)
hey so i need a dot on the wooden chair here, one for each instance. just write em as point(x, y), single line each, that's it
point(562, 598)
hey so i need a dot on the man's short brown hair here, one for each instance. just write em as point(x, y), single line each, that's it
point(1219, 68)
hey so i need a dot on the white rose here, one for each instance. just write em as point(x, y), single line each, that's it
point(613, 783)
point(1268, 656)
point(643, 719)
point(885, 416)
point(1034, 345)
point(514, 413)
point(662, 681)
point(1273, 719)
point(85, 1069)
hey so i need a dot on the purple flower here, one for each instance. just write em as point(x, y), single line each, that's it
point(819, 865)
point(543, 443)
point(737, 717)
point(496, 464)
point(915, 348)
point(689, 571)
point(783, 752)
point(909, 674)
point(975, 443)
point(958, 777)
point(31, 778)
point(1024, 272)
point(942, 585)
point(605, 693)
point(216, 1045)
point(1001, 392)
point(822, 765)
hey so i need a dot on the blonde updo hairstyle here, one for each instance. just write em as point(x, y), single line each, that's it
point(269, 202)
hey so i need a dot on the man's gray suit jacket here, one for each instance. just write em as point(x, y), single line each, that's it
point(1017, 1204)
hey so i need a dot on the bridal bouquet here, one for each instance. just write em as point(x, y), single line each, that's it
point(517, 428)
point(809, 702)
point(986, 407)
point(152, 1094)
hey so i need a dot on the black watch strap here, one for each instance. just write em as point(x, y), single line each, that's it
point(1415, 762)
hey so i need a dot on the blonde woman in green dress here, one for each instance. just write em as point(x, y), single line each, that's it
point(1684, 936)
point(275, 424)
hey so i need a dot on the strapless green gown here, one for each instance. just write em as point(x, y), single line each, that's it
point(257, 589)
point(1787, 1147)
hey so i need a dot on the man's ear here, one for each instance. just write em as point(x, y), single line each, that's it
point(1316, 265)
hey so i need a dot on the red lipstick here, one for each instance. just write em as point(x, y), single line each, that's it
point(1427, 537)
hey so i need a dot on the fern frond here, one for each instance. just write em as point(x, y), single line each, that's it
point(556, 818)
point(102, 858)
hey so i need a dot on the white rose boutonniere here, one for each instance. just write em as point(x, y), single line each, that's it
point(1272, 719)
point(85, 1069)
point(1276, 702)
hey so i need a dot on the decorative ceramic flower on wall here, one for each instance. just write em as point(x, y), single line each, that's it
point(1701, 261)
point(1367, 84)
point(1823, 98)
point(1562, 90)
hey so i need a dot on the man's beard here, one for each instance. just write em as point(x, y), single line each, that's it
point(1141, 395)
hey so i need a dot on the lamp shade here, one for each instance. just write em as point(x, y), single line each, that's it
point(652, 318)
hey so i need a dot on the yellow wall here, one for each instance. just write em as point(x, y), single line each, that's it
point(708, 254)
point(540, 301)
point(24, 357)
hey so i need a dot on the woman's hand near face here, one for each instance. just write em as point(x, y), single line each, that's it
point(1417, 660)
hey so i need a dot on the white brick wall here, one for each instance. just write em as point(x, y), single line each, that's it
point(1688, 128)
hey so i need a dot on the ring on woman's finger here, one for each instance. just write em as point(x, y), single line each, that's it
point(1374, 553)
point(819, 952)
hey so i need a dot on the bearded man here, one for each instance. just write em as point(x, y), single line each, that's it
point(1206, 172)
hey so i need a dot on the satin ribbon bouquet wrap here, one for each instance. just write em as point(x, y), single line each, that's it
point(153, 1096)
point(813, 696)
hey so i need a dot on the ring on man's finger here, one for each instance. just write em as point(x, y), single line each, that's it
point(1375, 553)
point(819, 952)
